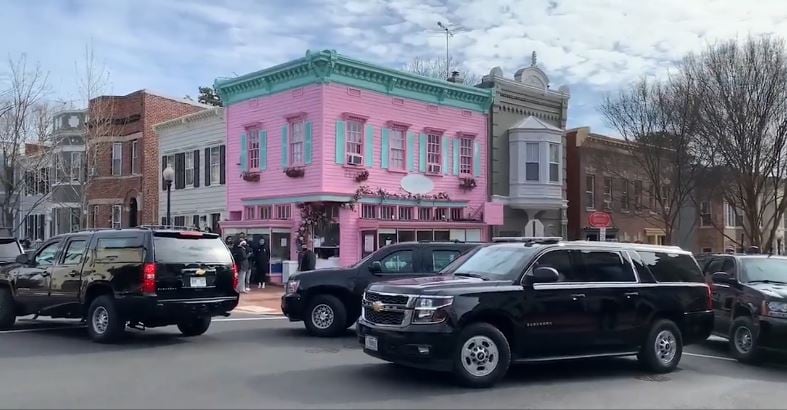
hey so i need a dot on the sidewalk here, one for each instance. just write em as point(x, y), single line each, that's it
point(261, 301)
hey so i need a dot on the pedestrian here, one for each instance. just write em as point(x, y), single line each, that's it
point(26, 244)
point(262, 261)
point(249, 261)
point(242, 261)
point(307, 259)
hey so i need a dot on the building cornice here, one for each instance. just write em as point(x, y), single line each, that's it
point(509, 85)
point(198, 116)
point(327, 66)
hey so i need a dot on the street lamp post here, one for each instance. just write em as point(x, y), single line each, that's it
point(169, 175)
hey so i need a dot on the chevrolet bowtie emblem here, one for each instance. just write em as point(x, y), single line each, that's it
point(377, 306)
point(200, 272)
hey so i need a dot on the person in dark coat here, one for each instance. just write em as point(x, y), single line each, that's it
point(262, 263)
point(307, 259)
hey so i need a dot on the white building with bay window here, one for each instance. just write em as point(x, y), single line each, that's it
point(194, 146)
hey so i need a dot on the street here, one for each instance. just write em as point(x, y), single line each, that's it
point(248, 361)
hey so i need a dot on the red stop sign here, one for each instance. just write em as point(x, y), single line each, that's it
point(600, 220)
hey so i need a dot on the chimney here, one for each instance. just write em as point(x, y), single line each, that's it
point(455, 78)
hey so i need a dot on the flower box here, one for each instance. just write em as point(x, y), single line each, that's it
point(362, 176)
point(467, 183)
point(295, 172)
point(251, 176)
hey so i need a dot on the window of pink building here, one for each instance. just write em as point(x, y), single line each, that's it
point(456, 214)
point(248, 213)
point(433, 160)
point(387, 212)
point(254, 147)
point(368, 211)
point(265, 212)
point(441, 214)
point(283, 212)
point(354, 149)
point(397, 153)
point(466, 156)
point(405, 213)
point(296, 142)
point(424, 214)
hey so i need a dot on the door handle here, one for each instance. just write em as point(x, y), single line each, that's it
point(630, 295)
point(577, 296)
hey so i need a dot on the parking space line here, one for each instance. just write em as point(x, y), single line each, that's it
point(707, 356)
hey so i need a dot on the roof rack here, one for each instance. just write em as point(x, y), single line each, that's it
point(446, 241)
point(169, 227)
point(528, 239)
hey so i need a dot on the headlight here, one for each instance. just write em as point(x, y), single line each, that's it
point(431, 309)
point(776, 309)
point(292, 286)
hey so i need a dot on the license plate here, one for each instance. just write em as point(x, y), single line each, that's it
point(371, 343)
point(199, 282)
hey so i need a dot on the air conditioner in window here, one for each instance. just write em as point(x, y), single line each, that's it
point(354, 160)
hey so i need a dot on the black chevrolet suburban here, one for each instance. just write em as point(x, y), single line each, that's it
point(137, 277)
point(329, 300)
point(750, 302)
point(538, 301)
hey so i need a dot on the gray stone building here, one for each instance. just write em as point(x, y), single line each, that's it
point(527, 165)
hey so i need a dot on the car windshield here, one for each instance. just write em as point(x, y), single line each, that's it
point(190, 250)
point(9, 250)
point(766, 270)
point(496, 262)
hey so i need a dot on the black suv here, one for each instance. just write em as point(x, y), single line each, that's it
point(140, 277)
point(329, 300)
point(538, 301)
point(750, 301)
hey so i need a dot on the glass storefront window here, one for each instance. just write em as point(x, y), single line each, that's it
point(425, 235)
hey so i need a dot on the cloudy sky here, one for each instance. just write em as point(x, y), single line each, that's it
point(173, 46)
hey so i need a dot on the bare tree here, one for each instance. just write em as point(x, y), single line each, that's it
point(24, 125)
point(435, 68)
point(659, 121)
point(742, 127)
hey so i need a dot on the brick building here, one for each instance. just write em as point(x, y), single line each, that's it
point(602, 176)
point(122, 151)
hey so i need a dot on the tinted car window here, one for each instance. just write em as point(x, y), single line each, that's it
point(46, 256)
point(74, 252)
point(120, 250)
point(9, 250)
point(669, 267)
point(442, 258)
point(714, 266)
point(177, 249)
point(764, 269)
point(728, 266)
point(400, 261)
point(560, 260)
point(600, 266)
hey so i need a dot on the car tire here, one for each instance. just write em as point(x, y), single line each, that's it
point(482, 356)
point(743, 340)
point(194, 326)
point(663, 347)
point(326, 316)
point(104, 322)
point(7, 309)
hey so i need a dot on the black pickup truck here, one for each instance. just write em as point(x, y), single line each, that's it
point(138, 277)
point(329, 300)
point(539, 301)
point(750, 301)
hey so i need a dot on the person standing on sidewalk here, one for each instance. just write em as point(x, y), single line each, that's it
point(307, 259)
point(249, 262)
point(242, 260)
point(262, 260)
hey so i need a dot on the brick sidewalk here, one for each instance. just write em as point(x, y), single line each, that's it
point(261, 301)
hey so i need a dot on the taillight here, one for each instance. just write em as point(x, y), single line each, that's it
point(234, 276)
point(149, 278)
point(710, 297)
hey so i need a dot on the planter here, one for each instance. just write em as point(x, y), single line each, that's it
point(362, 176)
point(251, 176)
point(467, 183)
point(295, 172)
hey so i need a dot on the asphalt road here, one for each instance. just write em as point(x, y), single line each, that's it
point(270, 363)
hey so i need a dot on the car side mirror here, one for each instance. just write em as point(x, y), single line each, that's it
point(544, 274)
point(376, 267)
point(23, 259)
point(722, 277)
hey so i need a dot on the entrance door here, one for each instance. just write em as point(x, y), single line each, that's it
point(132, 212)
point(368, 243)
point(280, 251)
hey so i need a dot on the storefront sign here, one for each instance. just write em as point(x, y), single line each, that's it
point(600, 220)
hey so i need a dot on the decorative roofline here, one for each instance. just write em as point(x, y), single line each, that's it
point(190, 118)
point(327, 66)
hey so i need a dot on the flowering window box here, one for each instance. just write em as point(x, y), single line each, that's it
point(295, 172)
point(467, 183)
point(251, 176)
point(362, 176)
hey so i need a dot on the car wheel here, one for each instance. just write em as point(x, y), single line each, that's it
point(663, 347)
point(194, 326)
point(743, 340)
point(7, 309)
point(482, 356)
point(326, 316)
point(104, 324)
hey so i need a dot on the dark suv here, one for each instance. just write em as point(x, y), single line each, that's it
point(750, 301)
point(329, 300)
point(538, 301)
point(137, 277)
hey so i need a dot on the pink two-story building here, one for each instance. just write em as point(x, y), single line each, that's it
point(354, 156)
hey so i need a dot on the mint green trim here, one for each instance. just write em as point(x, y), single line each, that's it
point(476, 159)
point(444, 155)
point(422, 153)
point(368, 145)
point(340, 145)
point(457, 151)
point(307, 144)
point(410, 152)
point(385, 149)
point(298, 199)
point(263, 150)
point(285, 147)
point(329, 67)
point(413, 202)
point(244, 153)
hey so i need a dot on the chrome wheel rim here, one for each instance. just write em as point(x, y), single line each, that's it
point(322, 316)
point(480, 356)
point(100, 320)
point(744, 340)
point(666, 346)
